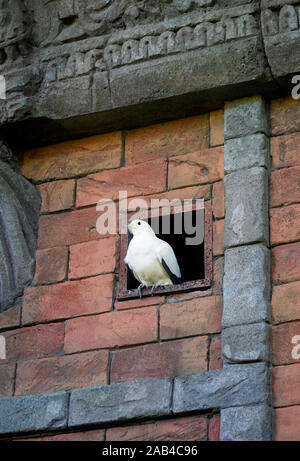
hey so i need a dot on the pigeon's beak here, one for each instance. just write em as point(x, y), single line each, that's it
point(129, 228)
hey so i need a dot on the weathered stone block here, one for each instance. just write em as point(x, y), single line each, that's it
point(246, 343)
point(33, 413)
point(245, 116)
point(246, 152)
point(120, 402)
point(246, 285)
point(253, 423)
point(232, 386)
point(75, 94)
point(246, 198)
point(281, 48)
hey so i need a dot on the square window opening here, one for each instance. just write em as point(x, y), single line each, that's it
point(194, 260)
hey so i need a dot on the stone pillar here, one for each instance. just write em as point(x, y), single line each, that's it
point(246, 285)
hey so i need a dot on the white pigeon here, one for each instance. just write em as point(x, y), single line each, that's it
point(151, 259)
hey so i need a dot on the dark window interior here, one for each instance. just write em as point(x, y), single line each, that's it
point(190, 257)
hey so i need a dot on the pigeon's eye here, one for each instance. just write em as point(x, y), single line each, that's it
point(139, 223)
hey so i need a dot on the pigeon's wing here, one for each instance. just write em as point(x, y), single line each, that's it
point(167, 258)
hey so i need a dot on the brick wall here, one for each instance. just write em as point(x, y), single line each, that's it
point(285, 241)
point(69, 331)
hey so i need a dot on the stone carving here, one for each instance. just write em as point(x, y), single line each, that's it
point(204, 34)
point(14, 30)
point(286, 19)
point(19, 217)
point(187, 5)
point(73, 66)
point(75, 19)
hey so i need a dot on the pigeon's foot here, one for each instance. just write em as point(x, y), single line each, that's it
point(139, 290)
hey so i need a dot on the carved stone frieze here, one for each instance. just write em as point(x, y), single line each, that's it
point(66, 58)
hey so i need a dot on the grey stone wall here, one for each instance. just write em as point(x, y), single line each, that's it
point(139, 400)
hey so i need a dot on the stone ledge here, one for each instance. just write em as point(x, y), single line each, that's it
point(33, 413)
point(120, 402)
point(138, 400)
point(236, 385)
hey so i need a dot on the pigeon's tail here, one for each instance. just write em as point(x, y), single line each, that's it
point(175, 280)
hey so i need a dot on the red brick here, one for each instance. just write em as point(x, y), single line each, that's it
point(172, 358)
point(113, 329)
point(131, 433)
point(176, 198)
point(68, 228)
point(219, 199)
point(216, 119)
point(286, 302)
point(68, 299)
point(51, 265)
point(195, 317)
point(218, 237)
point(62, 373)
point(214, 429)
point(10, 318)
point(286, 263)
point(285, 115)
point(282, 345)
point(192, 428)
point(287, 424)
point(92, 258)
point(215, 354)
point(187, 193)
point(218, 276)
point(286, 385)
point(57, 195)
point(285, 224)
point(196, 168)
point(133, 303)
point(167, 139)
point(285, 186)
point(97, 435)
point(7, 377)
point(285, 151)
point(73, 158)
point(136, 180)
point(36, 341)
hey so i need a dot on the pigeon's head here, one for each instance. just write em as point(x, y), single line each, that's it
point(137, 226)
